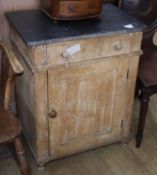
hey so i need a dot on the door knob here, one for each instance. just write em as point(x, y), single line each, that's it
point(118, 46)
point(52, 113)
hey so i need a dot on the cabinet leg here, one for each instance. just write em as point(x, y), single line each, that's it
point(41, 167)
point(144, 99)
point(20, 153)
point(125, 142)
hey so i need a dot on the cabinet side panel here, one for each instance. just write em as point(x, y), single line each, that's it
point(24, 49)
point(25, 104)
point(131, 82)
point(130, 90)
point(40, 91)
point(32, 103)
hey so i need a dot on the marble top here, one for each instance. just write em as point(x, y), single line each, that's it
point(35, 28)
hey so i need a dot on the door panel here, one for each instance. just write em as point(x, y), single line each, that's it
point(89, 102)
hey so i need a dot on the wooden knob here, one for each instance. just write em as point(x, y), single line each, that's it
point(52, 114)
point(72, 8)
point(118, 46)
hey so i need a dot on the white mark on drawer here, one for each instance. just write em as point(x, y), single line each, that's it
point(129, 26)
point(71, 50)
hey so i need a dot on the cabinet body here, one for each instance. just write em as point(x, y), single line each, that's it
point(91, 95)
point(71, 103)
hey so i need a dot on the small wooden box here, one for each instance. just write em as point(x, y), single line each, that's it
point(70, 10)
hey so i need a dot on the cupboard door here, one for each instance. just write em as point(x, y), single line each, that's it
point(86, 105)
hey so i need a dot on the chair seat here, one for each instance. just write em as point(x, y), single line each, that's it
point(148, 67)
point(9, 126)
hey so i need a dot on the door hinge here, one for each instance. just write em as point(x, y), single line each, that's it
point(127, 74)
point(122, 123)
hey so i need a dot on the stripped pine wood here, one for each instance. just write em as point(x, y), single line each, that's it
point(67, 113)
point(117, 159)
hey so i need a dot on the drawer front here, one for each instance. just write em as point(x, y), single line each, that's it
point(99, 47)
point(79, 8)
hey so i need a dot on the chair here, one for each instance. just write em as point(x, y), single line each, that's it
point(10, 128)
point(147, 77)
point(145, 10)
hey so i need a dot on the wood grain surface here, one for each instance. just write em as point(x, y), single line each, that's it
point(90, 96)
point(117, 159)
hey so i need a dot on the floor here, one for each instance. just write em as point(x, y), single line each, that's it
point(117, 159)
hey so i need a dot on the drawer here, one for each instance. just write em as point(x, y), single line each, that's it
point(95, 48)
point(79, 8)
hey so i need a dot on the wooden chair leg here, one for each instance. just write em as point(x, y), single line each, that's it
point(20, 153)
point(144, 99)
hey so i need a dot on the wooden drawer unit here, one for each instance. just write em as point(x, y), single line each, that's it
point(79, 8)
point(77, 91)
point(75, 9)
point(105, 47)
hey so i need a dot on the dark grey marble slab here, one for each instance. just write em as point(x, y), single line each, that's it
point(36, 28)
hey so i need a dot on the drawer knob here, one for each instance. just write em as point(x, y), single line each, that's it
point(72, 8)
point(118, 46)
point(52, 114)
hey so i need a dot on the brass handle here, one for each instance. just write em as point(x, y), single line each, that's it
point(72, 8)
point(118, 46)
point(52, 114)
